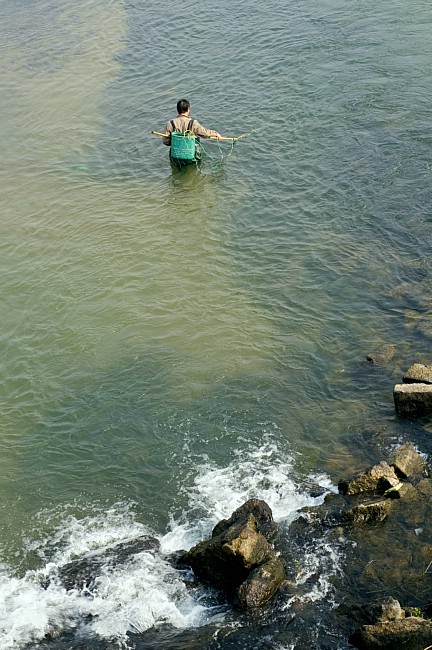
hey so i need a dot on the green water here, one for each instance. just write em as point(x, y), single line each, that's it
point(154, 321)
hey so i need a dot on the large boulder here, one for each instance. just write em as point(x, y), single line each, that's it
point(413, 400)
point(375, 479)
point(238, 558)
point(406, 461)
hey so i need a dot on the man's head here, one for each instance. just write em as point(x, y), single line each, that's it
point(183, 106)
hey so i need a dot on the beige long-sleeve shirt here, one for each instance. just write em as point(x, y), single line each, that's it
point(181, 123)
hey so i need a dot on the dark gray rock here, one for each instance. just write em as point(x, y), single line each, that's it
point(82, 573)
point(375, 479)
point(418, 374)
point(406, 461)
point(413, 400)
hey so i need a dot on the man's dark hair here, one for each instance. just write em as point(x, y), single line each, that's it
point(182, 106)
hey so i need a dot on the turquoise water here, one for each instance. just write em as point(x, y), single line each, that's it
point(173, 343)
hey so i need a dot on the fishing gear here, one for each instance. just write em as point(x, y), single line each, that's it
point(185, 146)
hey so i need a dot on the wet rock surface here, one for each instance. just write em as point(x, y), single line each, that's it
point(384, 555)
point(238, 558)
point(407, 462)
point(375, 479)
point(372, 512)
point(82, 573)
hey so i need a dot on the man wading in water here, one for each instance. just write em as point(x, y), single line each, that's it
point(185, 129)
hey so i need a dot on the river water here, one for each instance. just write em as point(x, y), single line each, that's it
point(175, 343)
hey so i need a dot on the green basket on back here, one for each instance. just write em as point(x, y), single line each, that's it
point(183, 145)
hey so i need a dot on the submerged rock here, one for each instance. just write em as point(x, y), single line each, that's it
point(382, 355)
point(238, 558)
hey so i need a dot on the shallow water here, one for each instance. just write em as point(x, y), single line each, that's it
point(173, 343)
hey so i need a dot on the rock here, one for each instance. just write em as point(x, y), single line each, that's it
point(405, 491)
point(226, 559)
point(373, 612)
point(373, 512)
point(418, 374)
point(246, 544)
point(261, 584)
point(409, 633)
point(382, 355)
point(377, 478)
point(413, 400)
point(425, 487)
point(407, 461)
point(262, 513)
point(238, 558)
point(82, 573)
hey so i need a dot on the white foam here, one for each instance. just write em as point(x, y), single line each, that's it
point(218, 491)
point(133, 597)
point(147, 591)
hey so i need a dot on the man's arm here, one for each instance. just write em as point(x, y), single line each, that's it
point(200, 130)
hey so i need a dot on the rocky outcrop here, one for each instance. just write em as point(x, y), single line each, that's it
point(239, 558)
point(261, 584)
point(263, 517)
